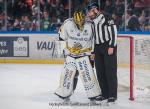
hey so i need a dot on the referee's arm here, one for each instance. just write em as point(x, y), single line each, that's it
point(112, 29)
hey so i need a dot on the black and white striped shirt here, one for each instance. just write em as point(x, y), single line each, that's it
point(105, 30)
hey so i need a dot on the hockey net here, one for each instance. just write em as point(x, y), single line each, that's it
point(134, 66)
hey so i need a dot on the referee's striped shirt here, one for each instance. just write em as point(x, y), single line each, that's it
point(105, 30)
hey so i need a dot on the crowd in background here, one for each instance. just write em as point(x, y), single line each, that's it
point(25, 15)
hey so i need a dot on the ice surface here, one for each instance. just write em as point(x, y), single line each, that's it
point(31, 86)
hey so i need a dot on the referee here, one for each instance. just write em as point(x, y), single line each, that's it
point(105, 52)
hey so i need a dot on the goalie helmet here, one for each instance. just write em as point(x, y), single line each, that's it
point(79, 18)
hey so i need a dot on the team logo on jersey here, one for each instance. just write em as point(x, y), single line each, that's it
point(85, 32)
point(77, 46)
point(78, 34)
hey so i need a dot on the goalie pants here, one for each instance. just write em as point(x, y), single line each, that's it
point(106, 70)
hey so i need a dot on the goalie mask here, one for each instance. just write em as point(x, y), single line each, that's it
point(79, 18)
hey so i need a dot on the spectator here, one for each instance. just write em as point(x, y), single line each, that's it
point(59, 9)
point(119, 8)
point(20, 8)
point(34, 8)
point(132, 22)
point(55, 24)
point(45, 5)
point(138, 7)
point(117, 20)
point(2, 21)
point(122, 26)
point(26, 24)
point(16, 25)
point(29, 2)
point(46, 22)
point(109, 8)
point(147, 25)
point(130, 4)
point(142, 20)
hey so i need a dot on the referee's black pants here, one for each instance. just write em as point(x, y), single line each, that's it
point(106, 70)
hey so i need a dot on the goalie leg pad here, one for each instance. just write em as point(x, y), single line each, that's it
point(67, 78)
point(88, 77)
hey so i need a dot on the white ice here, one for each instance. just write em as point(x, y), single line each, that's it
point(31, 86)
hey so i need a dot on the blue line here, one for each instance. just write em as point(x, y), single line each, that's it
point(134, 32)
point(28, 32)
point(51, 32)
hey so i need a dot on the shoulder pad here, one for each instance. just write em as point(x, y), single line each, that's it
point(69, 19)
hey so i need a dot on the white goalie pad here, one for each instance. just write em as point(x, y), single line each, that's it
point(67, 76)
point(88, 77)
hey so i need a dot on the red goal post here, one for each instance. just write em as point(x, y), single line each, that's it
point(130, 49)
point(131, 65)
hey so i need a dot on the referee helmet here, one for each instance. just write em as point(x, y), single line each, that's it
point(92, 5)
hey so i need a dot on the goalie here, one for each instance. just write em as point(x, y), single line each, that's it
point(78, 35)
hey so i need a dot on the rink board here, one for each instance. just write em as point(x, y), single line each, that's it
point(36, 48)
point(30, 48)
